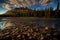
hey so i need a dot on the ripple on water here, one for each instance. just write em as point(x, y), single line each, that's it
point(16, 20)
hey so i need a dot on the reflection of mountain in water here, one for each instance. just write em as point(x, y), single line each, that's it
point(2, 24)
point(34, 21)
point(9, 24)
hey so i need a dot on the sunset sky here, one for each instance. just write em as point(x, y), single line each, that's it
point(6, 5)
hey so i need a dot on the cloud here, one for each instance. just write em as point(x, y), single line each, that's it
point(22, 3)
point(7, 6)
point(10, 4)
point(46, 2)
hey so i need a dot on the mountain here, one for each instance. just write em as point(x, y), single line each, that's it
point(23, 12)
point(18, 12)
point(26, 12)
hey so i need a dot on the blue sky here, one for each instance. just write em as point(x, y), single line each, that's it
point(38, 6)
point(2, 10)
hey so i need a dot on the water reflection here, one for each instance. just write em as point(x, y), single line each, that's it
point(3, 23)
point(17, 21)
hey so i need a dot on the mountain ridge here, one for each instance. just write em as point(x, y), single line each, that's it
point(26, 12)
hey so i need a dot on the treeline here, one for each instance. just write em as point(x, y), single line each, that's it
point(32, 13)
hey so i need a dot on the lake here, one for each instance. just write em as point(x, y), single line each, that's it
point(17, 21)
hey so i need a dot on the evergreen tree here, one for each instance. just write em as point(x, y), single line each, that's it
point(58, 6)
